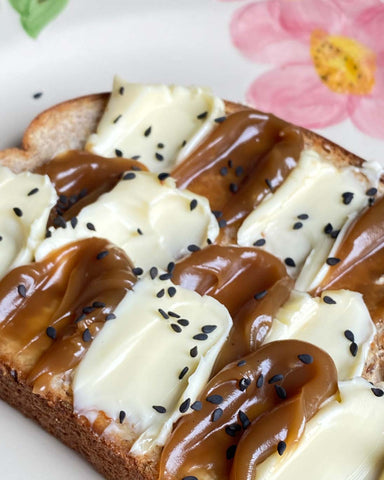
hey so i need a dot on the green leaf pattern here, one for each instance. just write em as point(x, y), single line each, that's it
point(36, 14)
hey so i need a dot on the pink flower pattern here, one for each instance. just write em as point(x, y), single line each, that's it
point(278, 33)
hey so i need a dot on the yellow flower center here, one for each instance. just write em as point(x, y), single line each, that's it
point(342, 63)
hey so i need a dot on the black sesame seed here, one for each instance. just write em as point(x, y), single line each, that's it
point(184, 143)
point(276, 378)
point(244, 384)
point(159, 156)
point(305, 358)
point(182, 374)
point(171, 267)
point(208, 328)
point(159, 408)
point(200, 336)
point(184, 323)
point(209, 241)
point(297, 226)
point(303, 216)
point(153, 272)
point(97, 304)
point(190, 477)
point(89, 309)
point(197, 406)
point(220, 119)
point(233, 188)
point(90, 226)
point(147, 131)
point(202, 115)
point(118, 152)
point(110, 316)
point(239, 171)
point(171, 291)
point(244, 420)
point(51, 332)
point(328, 228)
point(102, 254)
point(73, 222)
point(241, 363)
point(59, 222)
point(290, 262)
point(217, 413)
point(135, 157)
point(335, 233)
point(281, 446)
point(33, 191)
point(259, 243)
point(121, 90)
point(87, 337)
point(269, 184)
point(129, 176)
point(160, 293)
point(48, 234)
point(163, 314)
point(230, 453)
point(83, 193)
point(222, 223)
point(371, 192)
point(37, 95)
point(353, 348)
point(173, 314)
point(1, 238)
point(176, 327)
point(193, 204)
point(260, 381)
point(163, 176)
point(80, 318)
point(217, 213)
point(371, 201)
point(117, 119)
point(223, 171)
point(185, 405)
point(378, 392)
point(232, 429)
point(139, 231)
point(347, 197)
point(260, 295)
point(281, 393)
point(193, 351)
point(122, 415)
point(165, 276)
point(22, 291)
point(137, 271)
point(329, 300)
point(230, 163)
point(193, 248)
point(349, 335)
point(160, 145)
point(332, 261)
point(18, 212)
point(215, 399)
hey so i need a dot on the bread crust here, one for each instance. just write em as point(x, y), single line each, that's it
point(67, 126)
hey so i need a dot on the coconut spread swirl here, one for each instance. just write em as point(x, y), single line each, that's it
point(66, 298)
point(251, 283)
point(246, 157)
point(248, 411)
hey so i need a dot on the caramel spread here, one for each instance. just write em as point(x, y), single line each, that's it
point(51, 310)
point(361, 255)
point(80, 178)
point(246, 157)
point(248, 411)
point(251, 283)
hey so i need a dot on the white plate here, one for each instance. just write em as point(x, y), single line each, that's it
point(167, 41)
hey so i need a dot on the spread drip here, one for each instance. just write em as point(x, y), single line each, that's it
point(250, 410)
point(50, 310)
point(80, 178)
point(243, 159)
point(251, 283)
point(361, 254)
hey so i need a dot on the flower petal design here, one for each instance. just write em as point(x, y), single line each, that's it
point(295, 93)
point(257, 33)
point(368, 27)
point(367, 112)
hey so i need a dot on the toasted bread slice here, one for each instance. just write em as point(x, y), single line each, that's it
point(60, 128)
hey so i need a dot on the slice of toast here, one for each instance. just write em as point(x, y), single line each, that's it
point(67, 126)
